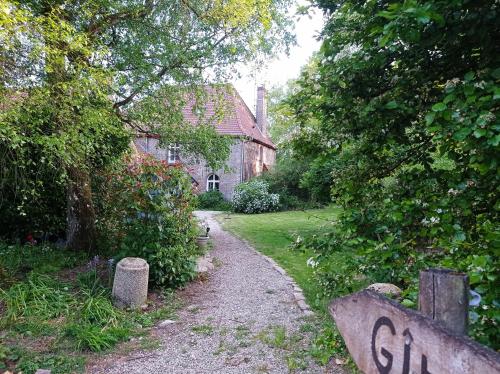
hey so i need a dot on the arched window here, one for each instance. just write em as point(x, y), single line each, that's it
point(213, 182)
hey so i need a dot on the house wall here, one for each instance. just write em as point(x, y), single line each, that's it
point(198, 169)
point(227, 179)
point(246, 160)
point(256, 155)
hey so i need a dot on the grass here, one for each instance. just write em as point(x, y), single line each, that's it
point(204, 329)
point(54, 311)
point(273, 233)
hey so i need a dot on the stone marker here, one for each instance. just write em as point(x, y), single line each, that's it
point(130, 287)
point(204, 264)
point(384, 337)
point(43, 371)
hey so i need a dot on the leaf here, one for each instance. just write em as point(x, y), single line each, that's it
point(439, 107)
point(462, 133)
point(423, 19)
point(478, 133)
point(459, 236)
point(496, 73)
point(429, 118)
point(469, 76)
point(391, 105)
point(387, 15)
point(449, 98)
point(408, 303)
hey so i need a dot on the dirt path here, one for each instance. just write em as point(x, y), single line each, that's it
point(242, 319)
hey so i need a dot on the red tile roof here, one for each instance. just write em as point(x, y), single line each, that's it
point(237, 118)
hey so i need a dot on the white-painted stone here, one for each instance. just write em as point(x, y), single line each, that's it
point(204, 264)
point(302, 305)
point(299, 296)
point(166, 323)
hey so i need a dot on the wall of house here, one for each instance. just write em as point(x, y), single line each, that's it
point(256, 155)
point(150, 145)
point(227, 179)
point(198, 169)
point(251, 154)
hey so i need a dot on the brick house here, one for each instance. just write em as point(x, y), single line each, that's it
point(251, 153)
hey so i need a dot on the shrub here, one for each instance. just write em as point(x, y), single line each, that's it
point(145, 211)
point(213, 200)
point(287, 179)
point(254, 197)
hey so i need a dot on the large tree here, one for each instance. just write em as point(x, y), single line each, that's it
point(406, 98)
point(78, 77)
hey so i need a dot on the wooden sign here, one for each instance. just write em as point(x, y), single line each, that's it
point(384, 337)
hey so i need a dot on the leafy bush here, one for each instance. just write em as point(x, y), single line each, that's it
point(213, 200)
point(410, 140)
point(254, 197)
point(146, 212)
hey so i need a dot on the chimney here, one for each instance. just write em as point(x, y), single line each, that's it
point(261, 110)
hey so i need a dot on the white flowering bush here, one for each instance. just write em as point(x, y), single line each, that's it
point(254, 197)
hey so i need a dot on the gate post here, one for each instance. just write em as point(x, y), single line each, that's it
point(444, 297)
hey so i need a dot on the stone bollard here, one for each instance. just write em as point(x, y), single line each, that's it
point(130, 286)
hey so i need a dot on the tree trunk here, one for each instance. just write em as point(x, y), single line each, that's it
point(81, 230)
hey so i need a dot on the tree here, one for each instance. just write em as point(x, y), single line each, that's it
point(77, 78)
point(406, 99)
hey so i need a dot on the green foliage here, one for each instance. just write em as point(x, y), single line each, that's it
point(72, 93)
point(96, 338)
point(77, 314)
point(287, 179)
point(212, 200)
point(297, 177)
point(148, 214)
point(39, 296)
point(29, 362)
point(400, 112)
point(19, 260)
point(254, 197)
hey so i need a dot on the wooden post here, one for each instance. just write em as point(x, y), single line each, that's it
point(444, 297)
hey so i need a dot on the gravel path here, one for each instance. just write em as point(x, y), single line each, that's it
point(244, 318)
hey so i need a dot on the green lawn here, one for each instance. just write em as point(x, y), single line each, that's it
point(272, 234)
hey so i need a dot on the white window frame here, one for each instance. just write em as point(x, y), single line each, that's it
point(213, 182)
point(173, 153)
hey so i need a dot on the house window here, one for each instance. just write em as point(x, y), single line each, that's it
point(173, 153)
point(213, 182)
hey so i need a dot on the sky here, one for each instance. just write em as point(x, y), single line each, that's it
point(283, 67)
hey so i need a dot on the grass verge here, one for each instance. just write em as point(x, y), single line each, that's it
point(56, 310)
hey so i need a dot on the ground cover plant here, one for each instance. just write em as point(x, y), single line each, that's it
point(56, 310)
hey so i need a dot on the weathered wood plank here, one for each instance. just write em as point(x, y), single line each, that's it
point(384, 337)
point(444, 296)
